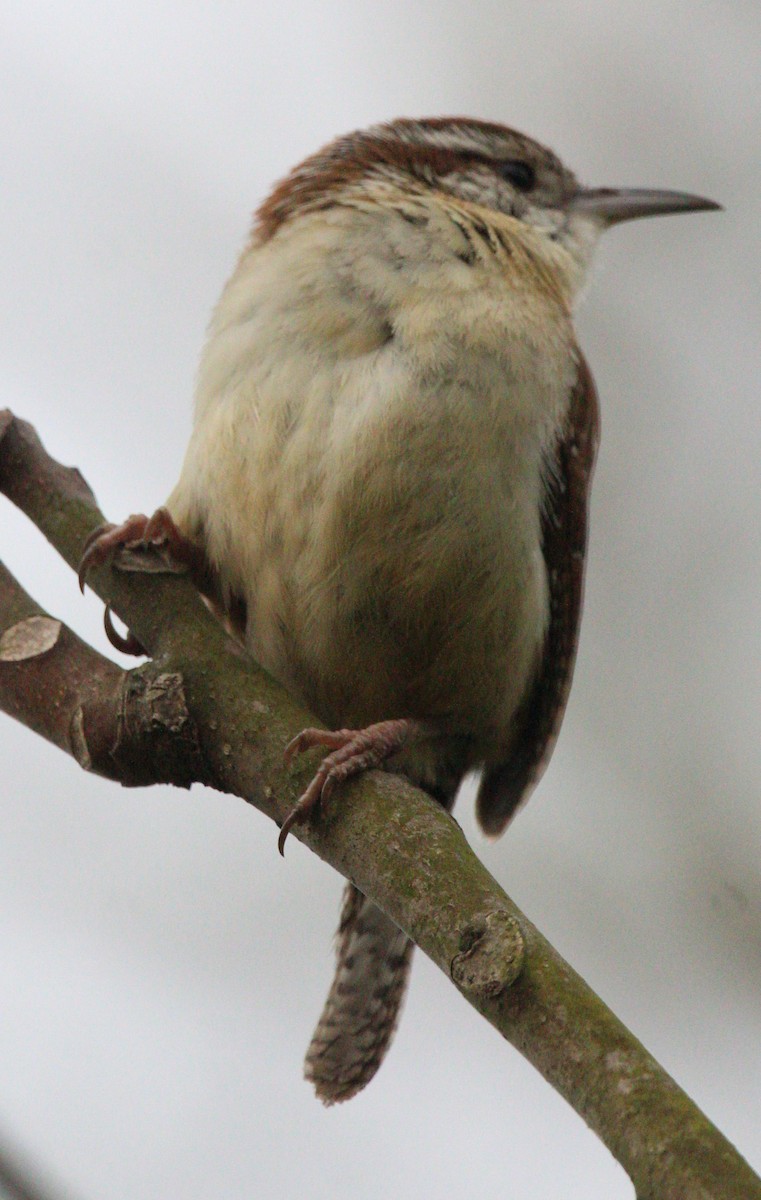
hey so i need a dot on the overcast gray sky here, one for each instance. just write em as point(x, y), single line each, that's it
point(162, 967)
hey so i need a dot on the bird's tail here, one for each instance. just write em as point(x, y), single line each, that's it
point(362, 1008)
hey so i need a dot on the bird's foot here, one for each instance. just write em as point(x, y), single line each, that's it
point(352, 751)
point(151, 544)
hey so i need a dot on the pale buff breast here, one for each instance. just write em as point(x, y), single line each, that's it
point(366, 465)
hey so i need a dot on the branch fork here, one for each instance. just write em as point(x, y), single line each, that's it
point(201, 710)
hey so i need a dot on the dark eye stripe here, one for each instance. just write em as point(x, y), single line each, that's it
point(520, 174)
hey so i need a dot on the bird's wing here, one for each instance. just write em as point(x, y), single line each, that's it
point(564, 540)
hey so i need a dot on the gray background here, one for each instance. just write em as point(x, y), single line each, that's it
point(161, 966)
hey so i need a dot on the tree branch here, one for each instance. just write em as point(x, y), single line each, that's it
point(19, 1180)
point(202, 710)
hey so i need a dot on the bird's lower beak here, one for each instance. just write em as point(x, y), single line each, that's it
point(611, 205)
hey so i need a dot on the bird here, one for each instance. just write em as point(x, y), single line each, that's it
point(386, 488)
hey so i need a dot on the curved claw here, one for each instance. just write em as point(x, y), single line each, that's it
point(128, 644)
point(293, 818)
point(304, 806)
point(89, 554)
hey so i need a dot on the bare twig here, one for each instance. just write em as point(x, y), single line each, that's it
point(19, 1180)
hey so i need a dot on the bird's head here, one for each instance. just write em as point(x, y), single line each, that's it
point(478, 162)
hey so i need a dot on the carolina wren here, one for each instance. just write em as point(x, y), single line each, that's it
point(389, 473)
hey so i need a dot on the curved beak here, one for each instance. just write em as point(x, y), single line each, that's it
point(611, 205)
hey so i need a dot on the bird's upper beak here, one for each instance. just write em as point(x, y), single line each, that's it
point(611, 205)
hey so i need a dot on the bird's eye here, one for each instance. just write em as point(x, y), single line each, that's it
point(520, 174)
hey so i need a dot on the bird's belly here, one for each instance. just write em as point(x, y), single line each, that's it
point(425, 598)
point(384, 528)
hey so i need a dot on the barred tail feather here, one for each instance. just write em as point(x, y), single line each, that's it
point(362, 1008)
